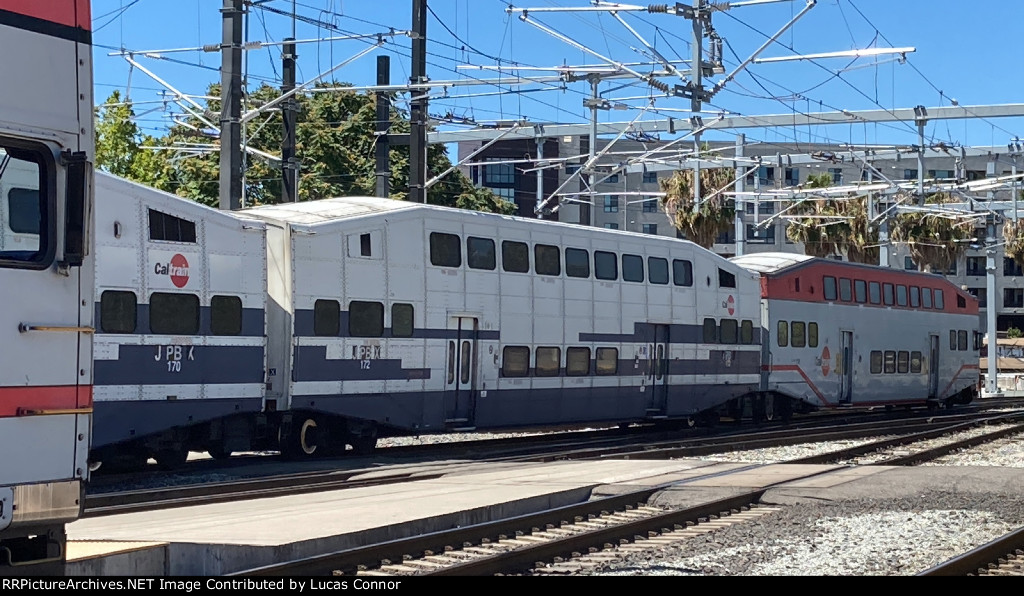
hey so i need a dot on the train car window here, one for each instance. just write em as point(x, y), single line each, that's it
point(607, 361)
point(548, 259)
point(515, 361)
point(890, 362)
point(577, 362)
point(23, 208)
point(365, 249)
point(401, 320)
point(30, 212)
point(961, 302)
point(915, 297)
point(549, 361)
point(939, 302)
point(915, 362)
point(326, 318)
point(797, 337)
point(226, 315)
point(662, 364)
point(977, 341)
point(952, 340)
point(577, 263)
point(729, 331)
point(961, 340)
point(812, 335)
point(465, 367)
point(747, 332)
point(887, 294)
point(830, 288)
point(845, 290)
point(632, 268)
point(860, 291)
point(445, 250)
point(515, 257)
point(876, 362)
point(875, 292)
point(174, 314)
point(726, 279)
point(170, 229)
point(605, 265)
point(682, 272)
point(657, 270)
point(118, 311)
point(451, 361)
point(365, 319)
point(903, 362)
point(901, 295)
point(710, 331)
point(783, 334)
point(926, 297)
point(480, 253)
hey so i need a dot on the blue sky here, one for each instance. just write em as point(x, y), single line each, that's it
point(964, 52)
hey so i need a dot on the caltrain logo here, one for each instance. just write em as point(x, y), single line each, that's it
point(729, 305)
point(177, 269)
point(825, 357)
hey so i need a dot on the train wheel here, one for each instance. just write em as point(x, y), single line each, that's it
point(767, 407)
point(218, 452)
point(306, 438)
point(171, 458)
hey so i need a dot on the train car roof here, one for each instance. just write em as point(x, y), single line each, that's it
point(770, 262)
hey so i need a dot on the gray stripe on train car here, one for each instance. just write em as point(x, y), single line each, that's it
point(151, 365)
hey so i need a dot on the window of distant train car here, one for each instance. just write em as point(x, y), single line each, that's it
point(961, 302)
point(798, 336)
point(401, 320)
point(657, 270)
point(117, 311)
point(952, 340)
point(915, 297)
point(890, 362)
point(465, 367)
point(939, 302)
point(549, 361)
point(480, 253)
point(747, 332)
point(783, 334)
point(365, 319)
point(729, 331)
point(812, 335)
point(577, 263)
point(445, 250)
point(961, 340)
point(605, 265)
point(887, 294)
point(451, 361)
point(876, 362)
point(515, 257)
point(577, 362)
point(515, 361)
point(926, 297)
point(226, 315)
point(845, 290)
point(682, 272)
point(548, 259)
point(326, 318)
point(174, 314)
point(915, 362)
point(169, 228)
point(607, 361)
point(710, 331)
point(830, 288)
point(860, 291)
point(726, 279)
point(901, 295)
point(632, 268)
point(875, 292)
point(903, 362)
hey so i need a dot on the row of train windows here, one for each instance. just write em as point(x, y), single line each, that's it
point(728, 331)
point(797, 334)
point(515, 361)
point(862, 292)
point(365, 319)
point(481, 253)
point(169, 314)
point(892, 362)
point(958, 340)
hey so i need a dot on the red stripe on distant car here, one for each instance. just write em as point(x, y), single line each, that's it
point(72, 13)
point(22, 401)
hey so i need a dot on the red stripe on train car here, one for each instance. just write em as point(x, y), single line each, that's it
point(957, 375)
point(72, 13)
point(21, 401)
point(810, 383)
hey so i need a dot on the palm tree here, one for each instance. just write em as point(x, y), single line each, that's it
point(700, 222)
point(936, 241)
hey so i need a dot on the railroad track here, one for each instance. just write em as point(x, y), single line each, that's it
point(1000, 557)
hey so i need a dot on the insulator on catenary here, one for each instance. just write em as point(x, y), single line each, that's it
point(659, 85)
point(657, 8)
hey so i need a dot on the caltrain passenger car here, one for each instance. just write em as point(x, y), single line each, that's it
point(840, 334)
point(180, 348)
point(46, 150)
point(389, 317)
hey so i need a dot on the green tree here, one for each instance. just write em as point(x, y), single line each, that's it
point(700, 222)
point(1014, 333)
point(117, 136)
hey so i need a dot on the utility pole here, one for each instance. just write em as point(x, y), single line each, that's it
point(697, 88)
point(289, 162)
point(231, 106)
point(991, 287)
point(741, 179)
point(418, 117)
point(383, 146)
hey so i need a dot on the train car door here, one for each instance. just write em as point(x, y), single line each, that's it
point(461, 372)
point(846, 373)
point(933, 366)
point(657, 372)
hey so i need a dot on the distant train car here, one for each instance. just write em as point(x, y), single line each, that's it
point(181, 334)
point(392, 317)
point(848, 335)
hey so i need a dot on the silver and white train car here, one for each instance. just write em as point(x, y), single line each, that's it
point(390, 317)
point(180, 342)
point(843, 334)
